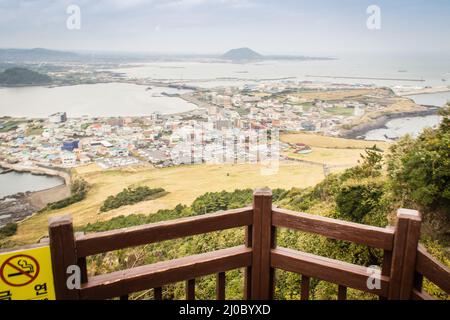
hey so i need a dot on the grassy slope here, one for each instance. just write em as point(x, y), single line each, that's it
point(184, 184)
point(319, 141)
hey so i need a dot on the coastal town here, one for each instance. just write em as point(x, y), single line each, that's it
point(228, 125)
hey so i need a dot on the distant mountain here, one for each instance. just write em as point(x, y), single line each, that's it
point(23, 77)
point(37, 54)
point(242, 54)
point(246, 54)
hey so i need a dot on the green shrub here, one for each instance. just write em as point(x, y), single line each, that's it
point(78, 189)
point(130, 196)
point(356, 199)
point(9, 230)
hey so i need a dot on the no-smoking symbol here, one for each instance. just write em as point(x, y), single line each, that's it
point(19, 270)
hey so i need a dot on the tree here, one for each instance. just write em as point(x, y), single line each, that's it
point(419, 169)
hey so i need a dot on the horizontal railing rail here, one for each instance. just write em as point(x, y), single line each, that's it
point(404, 265)
point(337, 229)
point(330, 270)
point(156, 275)
point(88, 245)
point(430, 268)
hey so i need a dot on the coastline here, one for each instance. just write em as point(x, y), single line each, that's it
point(37, 170)
point(21, 206)
point(380, 122)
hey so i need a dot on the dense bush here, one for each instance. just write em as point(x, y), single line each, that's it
point(9, 230)
point(357, 198)
point(217, 201)
point(419, 169)
point(130, 196)
point(78, 189)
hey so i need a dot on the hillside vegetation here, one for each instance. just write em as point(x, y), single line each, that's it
point(22, 77)
point(131, 196)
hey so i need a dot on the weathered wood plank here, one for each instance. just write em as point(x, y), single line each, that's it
point(92, 244)
point(330, 270)
point(433, 270)
point(336, 229)
point(421, 295)
point(158, 274)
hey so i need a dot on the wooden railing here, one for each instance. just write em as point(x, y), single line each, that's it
point(405, 264)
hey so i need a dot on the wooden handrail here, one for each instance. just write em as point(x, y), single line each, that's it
point(432, 269)
point(421, 295)
point(335, 271)
point(102, 242)
point(156, 275)
point(382, 238)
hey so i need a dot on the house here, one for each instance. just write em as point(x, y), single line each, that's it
point(70, 145)
point(301, 148)
point(68, 159)
point(59, 117)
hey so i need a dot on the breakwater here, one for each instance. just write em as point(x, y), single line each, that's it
point(380, 122)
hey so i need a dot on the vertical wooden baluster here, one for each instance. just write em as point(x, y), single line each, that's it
point(342, 293)
point(418, 281)
point(248, 270)
point(157, 293)
point(190, 289)
point(83, 268)
point(64, 254)
point(220, 286)
point(386, 267)
point(305, 288)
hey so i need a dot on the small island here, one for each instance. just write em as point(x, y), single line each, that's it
point(16, 77)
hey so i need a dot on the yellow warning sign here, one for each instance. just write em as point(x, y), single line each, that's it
point(26, 275)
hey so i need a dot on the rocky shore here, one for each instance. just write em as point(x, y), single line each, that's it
point(15, 208)
point(380, 123)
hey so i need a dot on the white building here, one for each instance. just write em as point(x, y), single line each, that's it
point(59, 117)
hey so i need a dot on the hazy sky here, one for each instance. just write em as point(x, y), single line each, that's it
point(214, 26)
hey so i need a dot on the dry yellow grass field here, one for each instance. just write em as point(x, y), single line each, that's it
point(341, 94)
point(332, 157)
point(319, 141)
point(183, 183)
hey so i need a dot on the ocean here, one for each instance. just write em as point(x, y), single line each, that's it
point(15, 182)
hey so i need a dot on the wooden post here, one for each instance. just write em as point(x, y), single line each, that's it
point(406, 240)
point(262, 242)
point(63, 252)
